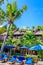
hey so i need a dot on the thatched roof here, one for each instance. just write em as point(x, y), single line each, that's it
point(38, 33)
point(20, 33)
point(4, 34)
point(15, 33)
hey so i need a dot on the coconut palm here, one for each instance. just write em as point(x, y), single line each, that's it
point(33, 27)
point(38, 27)
point(3, 29)
point(1, 1)
point(10, 15)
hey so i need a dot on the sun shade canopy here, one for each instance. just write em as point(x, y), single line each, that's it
point(37, 47)
point(9, 47)
point(24, 47)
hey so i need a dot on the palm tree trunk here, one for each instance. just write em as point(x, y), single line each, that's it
point(10, 23)
point(5, 40)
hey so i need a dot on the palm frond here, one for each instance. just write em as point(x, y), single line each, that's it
point(2, 16)
point(1, 1)
point(14, 6)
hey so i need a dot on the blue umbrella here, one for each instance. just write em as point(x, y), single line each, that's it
point(24, 47)
point(9, 47)
point(6, 47)
point(37, 47)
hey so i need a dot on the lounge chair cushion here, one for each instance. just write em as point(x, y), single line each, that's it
point(5, 57)
point(28, 61)
point(20, 59)
point(1, 59)
point(12, 59)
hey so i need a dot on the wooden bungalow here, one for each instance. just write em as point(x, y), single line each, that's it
point(37, 32)
point(17, 34)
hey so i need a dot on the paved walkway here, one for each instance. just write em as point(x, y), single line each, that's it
point(39, 63)
point(3, 64)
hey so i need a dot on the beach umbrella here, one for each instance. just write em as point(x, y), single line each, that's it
point(24, 47)
point(10, 46)
point(37, 47)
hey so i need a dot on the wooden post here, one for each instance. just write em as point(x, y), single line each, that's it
point(21, 51)
point(26, 51)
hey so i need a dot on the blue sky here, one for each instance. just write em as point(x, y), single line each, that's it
point(33, 16)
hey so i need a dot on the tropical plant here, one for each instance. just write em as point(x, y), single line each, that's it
point(3, 29)
point(33, 27)
point(1, 1)
point(16, 41)
point(10, 15)
point(38, 27)
point(29, 39)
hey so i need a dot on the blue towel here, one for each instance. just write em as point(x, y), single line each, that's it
point(28, 61)
point(5, 57)
point(1, 59)
point(20, 59)
point(12, 59)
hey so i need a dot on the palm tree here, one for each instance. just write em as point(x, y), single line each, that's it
point(1, 1)
point(38, 27)
point(10, 15)
point(3, 29)
point(33, 27)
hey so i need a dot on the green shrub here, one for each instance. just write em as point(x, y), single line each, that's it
point(40, 53)
point(34, 57)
